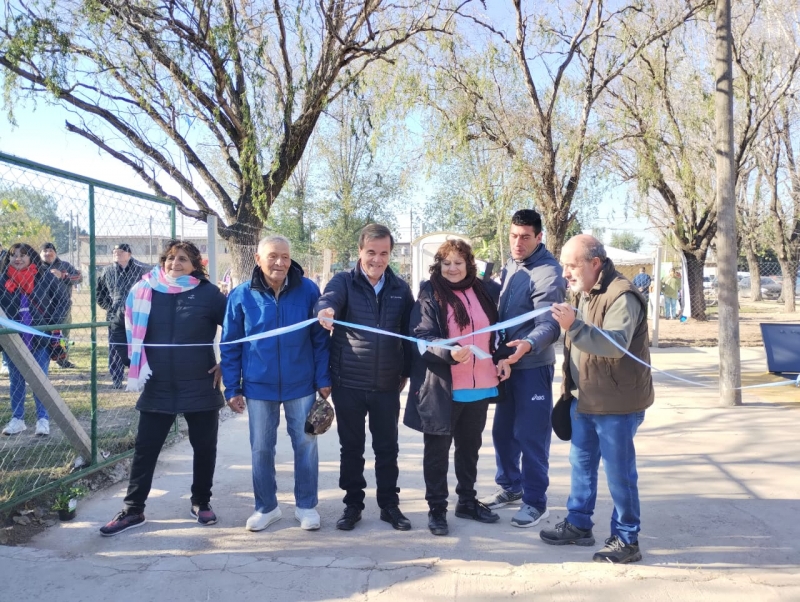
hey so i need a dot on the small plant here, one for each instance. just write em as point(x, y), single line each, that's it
point(67, 498)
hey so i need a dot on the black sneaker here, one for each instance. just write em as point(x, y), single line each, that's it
point(349, 518)
point(392, 515)
point(476, 511)
point(617, 551)
point(64, 363)
point(203, 513)
point(121, 522)
point(566, 533)
point(501, 498)
point(437, 521)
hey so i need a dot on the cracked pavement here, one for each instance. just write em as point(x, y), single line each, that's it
point(719, 492)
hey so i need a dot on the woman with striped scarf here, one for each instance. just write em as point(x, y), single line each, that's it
point(176, 306)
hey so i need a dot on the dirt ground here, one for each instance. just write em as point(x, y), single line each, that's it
point(694, 333)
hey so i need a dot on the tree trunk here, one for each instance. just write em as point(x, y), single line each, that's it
point(755, 273)
point(694, 267)
point(242, 239)
point(556, 226)
point(789, 272)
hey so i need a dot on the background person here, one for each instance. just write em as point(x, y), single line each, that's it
point(30, 295)
point(113, 286)
point(368, 371)
point(521, 432)
point(451, 389)
point(174, 304)
point(69, 277)
point(670, 287)
point(610, 392)
point(279, 371)
point(642, 282)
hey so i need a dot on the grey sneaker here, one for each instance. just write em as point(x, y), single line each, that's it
point(566, 533)
point(617, 551)
point(502, 497)
point(528, 516)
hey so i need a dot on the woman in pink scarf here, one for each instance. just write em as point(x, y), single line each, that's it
point(451, 389)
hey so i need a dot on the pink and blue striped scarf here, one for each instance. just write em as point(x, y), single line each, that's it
point(137, 312)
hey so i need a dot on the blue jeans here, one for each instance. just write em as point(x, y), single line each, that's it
point(521, 435)
point(670, 307)
point(265, 416)
point(610, 437)
point(17, 385)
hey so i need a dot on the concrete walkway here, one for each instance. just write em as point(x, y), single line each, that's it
point(719, 490)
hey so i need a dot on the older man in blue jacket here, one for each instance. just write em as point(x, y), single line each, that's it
point(268, 372)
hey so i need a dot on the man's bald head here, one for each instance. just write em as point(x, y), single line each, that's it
point(582, 257)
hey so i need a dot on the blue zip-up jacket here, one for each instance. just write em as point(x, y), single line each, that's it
point(529, 284)
point(279, 368)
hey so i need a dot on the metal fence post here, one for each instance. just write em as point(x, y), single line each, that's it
point(657, 296)
point(93, 310)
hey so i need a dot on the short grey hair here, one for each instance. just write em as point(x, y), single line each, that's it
point(272, 239)
point(594, 248)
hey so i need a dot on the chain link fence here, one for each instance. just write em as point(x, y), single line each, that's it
point(762, 287)
point(55, 290)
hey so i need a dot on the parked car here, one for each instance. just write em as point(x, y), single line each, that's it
point(769, 288)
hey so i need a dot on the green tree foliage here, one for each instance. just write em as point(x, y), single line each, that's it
point(154, 84)
point(41, 208)
point(527, 87)
point(626, 240)
point(16, 225)
point(356, 185)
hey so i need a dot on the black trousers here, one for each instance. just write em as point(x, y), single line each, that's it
point(352, 408)
point(153, 430)
point(117, 354)
point(467, 423)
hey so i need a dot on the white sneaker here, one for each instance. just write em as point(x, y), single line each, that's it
point(15, 425)
point(43, 427)
point(308, 517)
point(259, 521)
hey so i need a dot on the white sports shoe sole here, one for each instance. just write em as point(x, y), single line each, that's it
point(533, 523)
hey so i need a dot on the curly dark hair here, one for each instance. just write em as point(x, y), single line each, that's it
point(454, 245)
point(187, 247)
point(26, 250)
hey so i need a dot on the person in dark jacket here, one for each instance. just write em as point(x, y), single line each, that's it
point(69, 276)
point(521, 432)
point(30, 295)
point(174, 304)
point(113, 286)
point(451, 388)
point(282, 370)
point(369, 370)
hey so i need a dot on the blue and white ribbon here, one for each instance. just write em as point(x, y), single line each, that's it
point(422, 345)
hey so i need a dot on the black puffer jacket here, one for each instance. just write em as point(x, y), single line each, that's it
point(113, 286)
point(430, 398)
point(365, 360)
point(180, 381)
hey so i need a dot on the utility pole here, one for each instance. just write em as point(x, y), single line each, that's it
point(730, 368)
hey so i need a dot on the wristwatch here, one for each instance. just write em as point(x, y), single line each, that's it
point(530, 342)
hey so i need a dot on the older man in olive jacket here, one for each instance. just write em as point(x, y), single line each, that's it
point(605, 345)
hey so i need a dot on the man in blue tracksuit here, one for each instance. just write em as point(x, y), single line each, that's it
point(280, 370)
point(531, 279)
